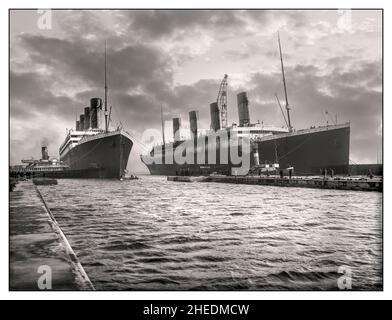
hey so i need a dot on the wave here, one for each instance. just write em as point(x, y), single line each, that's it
point(119, 246)
point(312, 276)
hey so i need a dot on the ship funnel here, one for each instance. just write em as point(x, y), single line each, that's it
point(215, 119)
point(176, 128)
point(45, 155)
point(95, 104)
point(81, 122)
point(243, 109)
point(193, 118)
point(77, 125)
point(86, 118)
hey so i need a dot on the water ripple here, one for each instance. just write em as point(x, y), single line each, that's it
point(151, 234)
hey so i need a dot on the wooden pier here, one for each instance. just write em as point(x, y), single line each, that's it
point(338, 183)
point(40, 255)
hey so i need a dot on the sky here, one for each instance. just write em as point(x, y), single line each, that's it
point(177, 58)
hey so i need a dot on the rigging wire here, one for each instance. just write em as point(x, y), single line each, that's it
point(141, 144)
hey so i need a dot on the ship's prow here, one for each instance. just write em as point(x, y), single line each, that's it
point(104, 155)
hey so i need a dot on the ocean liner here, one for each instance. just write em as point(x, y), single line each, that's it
point(308, 151)
point(92, 150)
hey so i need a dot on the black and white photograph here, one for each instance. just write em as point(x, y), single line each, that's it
point(196, 150)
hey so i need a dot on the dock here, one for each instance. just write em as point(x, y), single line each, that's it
point(337, 183)
point(40, 256)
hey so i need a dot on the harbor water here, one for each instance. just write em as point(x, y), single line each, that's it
point(153, 234)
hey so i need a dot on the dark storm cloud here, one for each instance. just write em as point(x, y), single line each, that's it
point(367, 74)
point(137, 109)
point(159, 23)
point(66, 58)
point(163, 23)
point(137, 67)
point(34, 112)
point(132, 65)
point(30, 93)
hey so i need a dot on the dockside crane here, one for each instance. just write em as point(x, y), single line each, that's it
point(222, 101)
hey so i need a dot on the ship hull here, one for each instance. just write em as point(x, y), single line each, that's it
point(311, 152)
point(308, 151)
point(104, 156)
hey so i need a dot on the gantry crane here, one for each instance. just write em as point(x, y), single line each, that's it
point(222, 101)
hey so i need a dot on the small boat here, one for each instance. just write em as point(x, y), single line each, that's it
point(265, 169)
point(132, 177)
point(44, 181)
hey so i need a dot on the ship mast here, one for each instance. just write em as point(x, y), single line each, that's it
point(281, 109)
point(163, 127)
point(106, 97)
point(284, 85)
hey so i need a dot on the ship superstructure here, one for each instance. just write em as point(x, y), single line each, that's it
point(46, 165)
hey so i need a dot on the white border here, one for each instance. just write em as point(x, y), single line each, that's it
point(5, 294)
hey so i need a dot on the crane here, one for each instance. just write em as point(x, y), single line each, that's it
point(222, 101)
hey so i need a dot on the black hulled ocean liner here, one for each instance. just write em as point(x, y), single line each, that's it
point(309, 151)
point(91, 151)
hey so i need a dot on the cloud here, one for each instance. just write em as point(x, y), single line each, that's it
point(30, 95)
point(131, 65)
point(165, 23)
